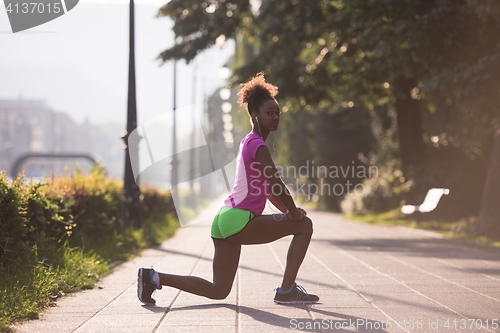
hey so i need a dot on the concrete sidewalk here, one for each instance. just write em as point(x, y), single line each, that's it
point(369, 278)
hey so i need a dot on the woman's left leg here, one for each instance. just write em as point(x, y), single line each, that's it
point(225, 264)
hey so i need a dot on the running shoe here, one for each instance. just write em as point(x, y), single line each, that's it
point(296, 295)
point(146, 286)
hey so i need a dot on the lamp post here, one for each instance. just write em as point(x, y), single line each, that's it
point(225, 94)
point(131, 205)
point(174, 161)
point(193, 137)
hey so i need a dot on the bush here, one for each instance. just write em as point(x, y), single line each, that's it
point(381, 194)
point(60, 235)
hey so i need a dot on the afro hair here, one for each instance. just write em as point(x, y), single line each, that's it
point(256, 91)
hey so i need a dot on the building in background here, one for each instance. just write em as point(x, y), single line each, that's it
point(30, 126)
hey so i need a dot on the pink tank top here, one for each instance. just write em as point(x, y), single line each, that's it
point(251, 186)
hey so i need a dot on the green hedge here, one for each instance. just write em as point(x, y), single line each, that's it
point(61, 235)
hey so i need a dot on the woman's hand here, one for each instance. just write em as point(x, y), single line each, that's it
point(303, 212)
point(298, 215)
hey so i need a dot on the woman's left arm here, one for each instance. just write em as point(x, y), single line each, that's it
point(278, 204)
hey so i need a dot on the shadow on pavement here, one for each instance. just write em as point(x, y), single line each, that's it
point(336, 321)
point(441, 248)
point(407, 304)
point(252, 269)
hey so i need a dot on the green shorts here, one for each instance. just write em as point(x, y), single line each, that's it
point(230, 221)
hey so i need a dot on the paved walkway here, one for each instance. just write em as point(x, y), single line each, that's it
point(370, 279)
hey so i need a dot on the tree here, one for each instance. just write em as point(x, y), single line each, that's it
point(409, 55)
point(489, 215)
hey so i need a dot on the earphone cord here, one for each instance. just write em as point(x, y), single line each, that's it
point(268, 205)
point(260, 133)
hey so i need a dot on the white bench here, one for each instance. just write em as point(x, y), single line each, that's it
point(430, 202)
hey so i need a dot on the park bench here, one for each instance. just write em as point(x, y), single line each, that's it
point(430, 202)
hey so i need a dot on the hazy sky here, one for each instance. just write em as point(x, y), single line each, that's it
point(78, 62)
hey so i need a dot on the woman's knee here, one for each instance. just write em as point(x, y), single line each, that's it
point(307, 225)
point(220, 292)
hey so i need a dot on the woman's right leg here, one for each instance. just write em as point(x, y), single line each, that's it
point(268, 228)
point(225, 264)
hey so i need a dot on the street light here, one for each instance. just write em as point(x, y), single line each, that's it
point(174, 162)
point(193, 136)
point(131, 205)
point(226, 107)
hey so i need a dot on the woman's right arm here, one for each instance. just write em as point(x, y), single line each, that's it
point(265, 160)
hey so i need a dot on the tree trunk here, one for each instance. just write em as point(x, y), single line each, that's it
point(409, 126)
point(489, 214)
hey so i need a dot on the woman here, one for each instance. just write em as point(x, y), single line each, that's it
point(239, 221)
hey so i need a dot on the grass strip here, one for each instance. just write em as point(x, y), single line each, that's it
point(461, 229)
point(62, 235)
point(29, 286)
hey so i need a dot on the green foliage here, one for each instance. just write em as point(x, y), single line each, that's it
point(60, 235)
point(25, 291)
point(327, 142)
point(434, 64)
point(90, 204)
point(29, 286)
point(386, 191)
point(354, 46)
point(199, 24)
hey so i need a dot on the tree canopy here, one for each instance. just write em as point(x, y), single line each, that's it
point(433, 64)
point(355, 46)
